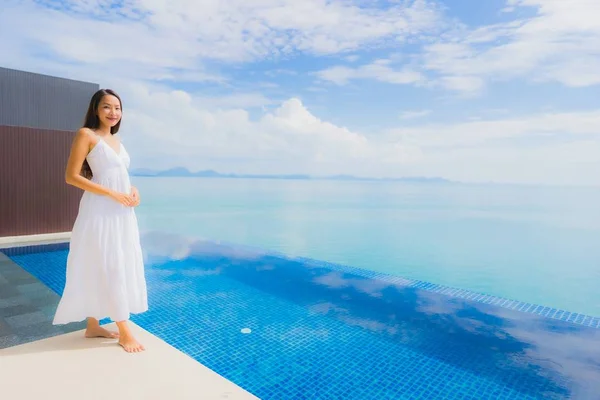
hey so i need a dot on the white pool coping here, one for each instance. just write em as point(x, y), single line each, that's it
point(71, 367)
point(31, 240)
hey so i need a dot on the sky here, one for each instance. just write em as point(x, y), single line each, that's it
point(501, 91)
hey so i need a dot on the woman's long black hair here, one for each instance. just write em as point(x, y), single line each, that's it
point(93, 122)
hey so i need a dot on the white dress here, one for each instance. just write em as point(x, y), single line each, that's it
point(105, 266)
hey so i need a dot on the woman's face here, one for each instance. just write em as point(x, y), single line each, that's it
point(109, 111)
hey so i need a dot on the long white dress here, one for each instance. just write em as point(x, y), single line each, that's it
point(105, 266)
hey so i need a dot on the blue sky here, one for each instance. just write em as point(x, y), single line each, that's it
point(495, 90)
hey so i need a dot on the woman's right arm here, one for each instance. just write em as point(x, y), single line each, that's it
point(79, 150)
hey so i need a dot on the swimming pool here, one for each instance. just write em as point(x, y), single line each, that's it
point(325, 331)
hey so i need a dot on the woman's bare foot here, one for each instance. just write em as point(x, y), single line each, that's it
point(131, 345)
point(94, 330)
point(126, 339)
point(100, 332)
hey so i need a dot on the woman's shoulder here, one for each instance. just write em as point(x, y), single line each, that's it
point(85, 134)
point(84, 131)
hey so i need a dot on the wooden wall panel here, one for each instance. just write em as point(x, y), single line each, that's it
point(34, 197)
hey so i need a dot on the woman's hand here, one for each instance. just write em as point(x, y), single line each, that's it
point(123, 198)
point(136, 196)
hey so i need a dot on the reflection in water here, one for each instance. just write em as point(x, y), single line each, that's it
point(532, 355)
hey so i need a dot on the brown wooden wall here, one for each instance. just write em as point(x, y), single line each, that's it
point(34, 197)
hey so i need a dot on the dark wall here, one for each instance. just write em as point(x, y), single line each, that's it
point(41, 101)
point(38, 117)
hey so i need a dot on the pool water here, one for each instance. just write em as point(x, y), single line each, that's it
point(324, 331)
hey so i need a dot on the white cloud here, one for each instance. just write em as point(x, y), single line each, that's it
point(463, 84)
point(237, 100)
point(561, 43)
point(379, 70)
point(289, 140)
point(414, 114)
point(555, 148)
point(572, 163)
point(151, 39)
point(569, 125)
point(280, 71)
point(147, 39)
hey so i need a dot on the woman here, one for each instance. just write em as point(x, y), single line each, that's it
point(105, 269)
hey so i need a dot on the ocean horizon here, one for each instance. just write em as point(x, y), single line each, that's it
point(182, 172)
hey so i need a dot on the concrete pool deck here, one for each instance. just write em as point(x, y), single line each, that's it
point(69, 366)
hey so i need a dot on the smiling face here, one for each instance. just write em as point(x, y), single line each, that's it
point(109, 111)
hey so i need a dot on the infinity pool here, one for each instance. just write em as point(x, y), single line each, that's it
point(291, 328)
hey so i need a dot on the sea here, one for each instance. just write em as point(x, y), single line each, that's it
point(536, 244)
